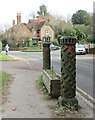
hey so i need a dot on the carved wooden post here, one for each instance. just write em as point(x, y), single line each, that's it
point(46, 53)
point(68, 72)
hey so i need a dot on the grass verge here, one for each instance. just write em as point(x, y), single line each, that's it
point(40, 82)
point(32, 49)
point(5, 79)
point(5, 57)
point(41, 86)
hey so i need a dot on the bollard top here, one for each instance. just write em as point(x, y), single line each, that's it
point(47, 39)
point(67, 40)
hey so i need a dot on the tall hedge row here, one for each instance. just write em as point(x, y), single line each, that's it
point(0, 46)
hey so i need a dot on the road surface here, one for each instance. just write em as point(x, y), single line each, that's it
point(84, 67)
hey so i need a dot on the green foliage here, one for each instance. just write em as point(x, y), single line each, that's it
point(69, 30)
point(83, 29)
point(90, 39)
point(55, 42)
point(34, 42)
point(34, 48)
point(42, 10)
point(58, 30)
point(5, 57)
point(1, 37)
point(4, 80)
point(51, 73)
point(42, 87)
point(0, 46)
point(4, 42)
point(83, 33)
point(40, 81)
point(27, 42)
point(58, 23)
point(70, 105)
point(58, 37)
point(30, 42)
point(81, 17)
point(13, 41)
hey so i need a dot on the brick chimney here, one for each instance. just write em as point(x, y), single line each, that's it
point(18, 18)
point(13, 22)
point(39, 19)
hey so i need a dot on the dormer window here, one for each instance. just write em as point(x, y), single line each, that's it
point(34, 33)
point(47, 32)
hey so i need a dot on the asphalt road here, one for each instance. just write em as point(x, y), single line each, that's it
point(84, 71)
point(84, 67)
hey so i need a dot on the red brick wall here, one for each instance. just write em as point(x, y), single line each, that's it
point(23, 31)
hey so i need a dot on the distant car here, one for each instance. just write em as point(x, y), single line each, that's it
point(80, 49)
point(54, 47)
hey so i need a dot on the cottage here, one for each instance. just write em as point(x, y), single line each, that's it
point(35, 29)
point(40, 28)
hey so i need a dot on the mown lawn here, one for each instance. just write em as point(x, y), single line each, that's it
point(4, 80)
point(5, 57)
point(32, 49)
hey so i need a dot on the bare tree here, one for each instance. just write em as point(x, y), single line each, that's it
point(33, 14)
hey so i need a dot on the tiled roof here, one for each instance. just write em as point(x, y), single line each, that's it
point(17, 27)
point(39, 25)
point(34, 24)
point(31, 24)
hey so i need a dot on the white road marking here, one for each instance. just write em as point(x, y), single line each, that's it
point(78, 58)
point(86, 57)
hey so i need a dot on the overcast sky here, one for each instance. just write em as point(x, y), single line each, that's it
point(9, 8)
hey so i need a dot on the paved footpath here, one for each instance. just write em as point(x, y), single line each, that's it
point(24, 99)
